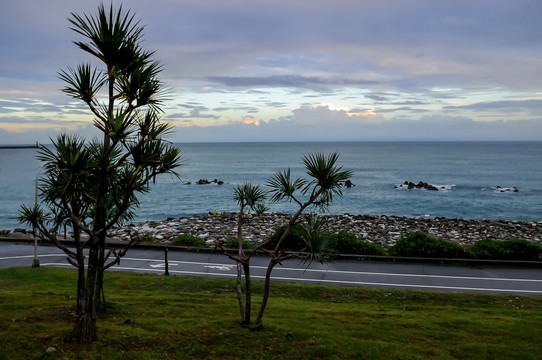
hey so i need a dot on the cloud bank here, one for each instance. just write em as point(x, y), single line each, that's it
point(299, 70)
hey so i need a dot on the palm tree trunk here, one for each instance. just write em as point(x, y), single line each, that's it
point(239, 275)
point(80, 270)
point(79, 255)
point(258, 323)
point(100, 306)
point(100, 211)
point(84, 329)
point(248, 292)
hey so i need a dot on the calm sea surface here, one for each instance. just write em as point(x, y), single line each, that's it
point(471, 171)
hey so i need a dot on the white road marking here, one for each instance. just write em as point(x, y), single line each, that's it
point(345, 282)
point(347, 272)
point(163, 265)
point(221, 267)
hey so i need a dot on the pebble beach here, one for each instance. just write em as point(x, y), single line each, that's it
point(382, 230)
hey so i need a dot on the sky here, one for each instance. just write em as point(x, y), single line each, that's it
point(295, 70)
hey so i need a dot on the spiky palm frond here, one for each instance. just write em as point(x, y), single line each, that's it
point(119, 126)
point(326, 174)
point(82, 82)
point(248, 194)
point(260, 208)
point(113, 36)
point(68, 169)
point(33, 216)
point(319, 246)
point(282, 186)
point(150, 127)
point(140, 87)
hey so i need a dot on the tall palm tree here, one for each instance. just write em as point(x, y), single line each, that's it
point(98, 189)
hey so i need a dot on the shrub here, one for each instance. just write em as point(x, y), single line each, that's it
point(189, 240)
point(232, 243)
point(145, 238)
point(294, 242)
point(261, 208)
point(513, 249)
point(345, 242)
point(418, 244)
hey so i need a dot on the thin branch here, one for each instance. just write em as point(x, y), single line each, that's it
point(122, 253)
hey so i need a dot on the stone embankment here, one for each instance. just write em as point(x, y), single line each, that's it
point(382, 230)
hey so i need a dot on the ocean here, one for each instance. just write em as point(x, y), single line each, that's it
point(477, 179)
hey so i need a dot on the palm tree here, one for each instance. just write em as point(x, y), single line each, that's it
point(98, 186)
point(245, 195)
point(324, 182)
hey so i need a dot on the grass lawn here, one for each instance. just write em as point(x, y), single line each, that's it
point(161, 317)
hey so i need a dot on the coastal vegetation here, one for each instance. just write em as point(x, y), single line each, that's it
point(415, 244)
point(324, 179)
point(418, 244)
point(94, 185)
point(189, 240)
point(160, 317)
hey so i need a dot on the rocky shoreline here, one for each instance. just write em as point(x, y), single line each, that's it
point(382, 230)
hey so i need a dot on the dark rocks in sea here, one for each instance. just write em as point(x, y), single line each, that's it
point(348, 184)
point(207, 182)
point(421, 185)
point(503, 189)
point(382, 230)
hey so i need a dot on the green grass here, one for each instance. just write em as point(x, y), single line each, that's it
point(159, 317)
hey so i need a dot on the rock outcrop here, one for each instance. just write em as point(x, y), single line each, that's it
point(421, 185)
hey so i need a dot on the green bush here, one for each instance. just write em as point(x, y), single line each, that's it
point(513, 249)
point(145, 238)
point(294, 242)
point(345, 242)
point(418, 244)
point(189, 240)
point(232, 243)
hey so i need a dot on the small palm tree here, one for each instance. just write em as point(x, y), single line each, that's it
point(324, 182)
point(319, 247)
point(246, 195)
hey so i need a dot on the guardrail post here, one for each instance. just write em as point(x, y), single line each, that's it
point(167, 267)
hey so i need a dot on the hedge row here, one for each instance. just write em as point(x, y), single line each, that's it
point(415, 244)
point(418, 244)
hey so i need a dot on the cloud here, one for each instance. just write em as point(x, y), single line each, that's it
point(29, 135)
point(534, 106)
point(295, 81)
point(323, 124)
point(281, 60)
point(249, 120)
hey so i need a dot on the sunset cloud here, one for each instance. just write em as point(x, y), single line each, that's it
point(249, 120)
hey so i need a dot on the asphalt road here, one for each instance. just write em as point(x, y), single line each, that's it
point(429, 277)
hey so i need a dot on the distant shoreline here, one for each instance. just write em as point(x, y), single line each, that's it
point(20, 146)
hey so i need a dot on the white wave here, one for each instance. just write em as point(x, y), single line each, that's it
point(444, 187)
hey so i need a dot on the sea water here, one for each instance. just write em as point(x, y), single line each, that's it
point(470, 174)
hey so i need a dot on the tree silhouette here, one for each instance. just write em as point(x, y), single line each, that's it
point(94, 184)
